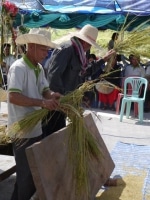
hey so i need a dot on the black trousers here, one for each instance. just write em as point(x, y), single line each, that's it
point(24, 186)
point(147, 100)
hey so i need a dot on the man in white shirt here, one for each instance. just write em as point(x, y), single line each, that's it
point(134, 68)
point(8, 60)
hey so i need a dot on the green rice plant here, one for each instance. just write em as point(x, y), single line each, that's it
point(82, 148)
point(129, 42)
point(134, 42)
point(20, 128)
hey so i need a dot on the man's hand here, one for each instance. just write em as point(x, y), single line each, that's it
point(55, 95)
point(53, 102)
point(50, 104)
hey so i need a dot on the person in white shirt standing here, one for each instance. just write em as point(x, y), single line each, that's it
point(8, 60)
point(28, 91)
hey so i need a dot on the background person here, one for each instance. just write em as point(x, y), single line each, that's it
point(93, 72)
point(89, 96)
point(114, 77)
point(113, 40)
point(147, 97)
point(28, 91)
point(19, 51)
point(147, 72)
point(8, 59)
point(134, 68)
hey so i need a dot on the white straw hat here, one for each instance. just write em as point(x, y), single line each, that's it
point(37, 36)
point(104, 87)
point(89, 34)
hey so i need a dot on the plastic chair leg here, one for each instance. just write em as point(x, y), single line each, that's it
point(128, 109)
point(141, 108)
point(120, 96)
point(122, 110)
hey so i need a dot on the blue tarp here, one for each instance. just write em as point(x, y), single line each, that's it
point(65, 14)
point(139, 7)
point(80, 6)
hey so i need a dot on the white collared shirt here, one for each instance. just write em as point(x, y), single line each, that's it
point(134, 71)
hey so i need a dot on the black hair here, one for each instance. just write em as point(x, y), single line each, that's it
point(23, 48)
point(131, 56)
point(118, 57)
point(92, 55)
point(114, 35)
point(6, 45)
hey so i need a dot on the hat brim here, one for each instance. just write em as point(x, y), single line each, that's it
point(104, 87)
point(86, 39)
point(37, 39)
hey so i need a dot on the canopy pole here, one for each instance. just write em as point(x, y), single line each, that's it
point(2, 41)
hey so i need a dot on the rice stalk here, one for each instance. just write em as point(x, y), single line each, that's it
point(134, 42)
point(3, 95)
point(20, 128)
point(108, 66)
point(4, 139)
point(82, 148)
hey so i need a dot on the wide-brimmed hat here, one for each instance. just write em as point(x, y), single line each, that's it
point(88, 34)
point(38, 36)
point(104, 87)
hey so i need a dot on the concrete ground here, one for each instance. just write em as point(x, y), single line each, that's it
point(128, 131)
point(111, 130)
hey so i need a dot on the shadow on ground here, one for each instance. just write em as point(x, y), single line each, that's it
point(112, 193)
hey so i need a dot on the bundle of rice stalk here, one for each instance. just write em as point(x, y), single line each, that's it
point(4, 139)
point(136, 41)
point(82, 145)
point(108, 66)
point(3, 95)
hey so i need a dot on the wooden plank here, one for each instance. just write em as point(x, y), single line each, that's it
point(52, 171)
point(7, 173)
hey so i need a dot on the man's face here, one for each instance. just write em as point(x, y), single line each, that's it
point(86, 46)
point(40, 52)
point(135, 61)
point(6, 50)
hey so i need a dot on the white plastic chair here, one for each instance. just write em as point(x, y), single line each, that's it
point(137, 84)
point(121, 95)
